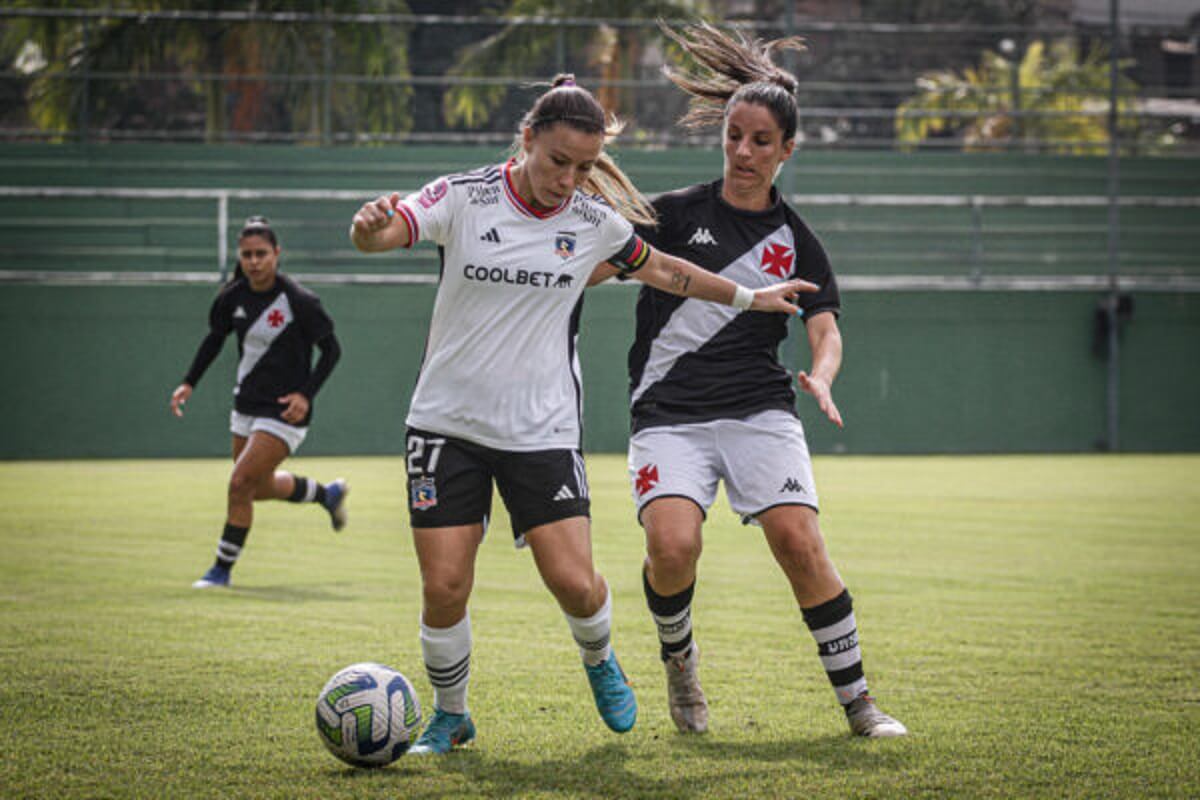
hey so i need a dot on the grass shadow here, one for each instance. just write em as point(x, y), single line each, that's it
point(299, 593)
point(841, 752)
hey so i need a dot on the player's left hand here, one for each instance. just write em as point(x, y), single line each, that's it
point(297, 408)
point(820, 389)
point(775, 298)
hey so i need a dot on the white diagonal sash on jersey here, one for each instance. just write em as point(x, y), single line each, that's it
point(696, 322)
point(260, 336)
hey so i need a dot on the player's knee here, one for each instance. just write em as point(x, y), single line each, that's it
point(672, 555)
point(573, 590)
point(242, 486)
point(445, 591)
point(802, 551)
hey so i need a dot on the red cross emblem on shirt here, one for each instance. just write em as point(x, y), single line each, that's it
point(275, 318)
point(647, 479)
point(777, 260)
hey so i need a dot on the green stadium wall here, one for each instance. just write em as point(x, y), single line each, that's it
point(88, 369)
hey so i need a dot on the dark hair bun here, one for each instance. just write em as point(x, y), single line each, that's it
point(563, 79)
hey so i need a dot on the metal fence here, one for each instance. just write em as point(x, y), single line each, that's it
point(120, 75)
point(969, 267)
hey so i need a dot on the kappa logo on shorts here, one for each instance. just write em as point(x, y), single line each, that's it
point(424, 493)
point(792, 485)
point(647, 479)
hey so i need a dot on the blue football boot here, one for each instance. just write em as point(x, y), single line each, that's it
point(443, 733)
point(614, 696)
point(335, 502)
point(217, 577)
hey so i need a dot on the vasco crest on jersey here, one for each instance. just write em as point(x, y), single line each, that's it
point(564, 244)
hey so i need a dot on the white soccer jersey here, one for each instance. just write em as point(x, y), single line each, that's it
point(501, 367)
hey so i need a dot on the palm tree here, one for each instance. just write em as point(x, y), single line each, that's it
point(201, 51)
point(1061, 91)
point(525, 49)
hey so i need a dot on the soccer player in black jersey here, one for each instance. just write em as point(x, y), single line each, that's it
point(710, 400)
point(277, 322)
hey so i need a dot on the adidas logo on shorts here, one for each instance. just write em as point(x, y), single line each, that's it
point(564, 494)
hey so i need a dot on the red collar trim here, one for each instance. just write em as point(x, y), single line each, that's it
point(519, 203)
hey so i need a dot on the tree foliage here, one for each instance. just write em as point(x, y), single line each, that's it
point(1063, 97)
point(220, 64)
point(535, 50)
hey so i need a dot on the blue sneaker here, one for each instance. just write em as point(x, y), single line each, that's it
point(614, 696)
point(335, 502)
point(443, 733)
point(217, 577)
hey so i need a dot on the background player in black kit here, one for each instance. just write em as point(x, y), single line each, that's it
point(277, 322)
point(710, 400)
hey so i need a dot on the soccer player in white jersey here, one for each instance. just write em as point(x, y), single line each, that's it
point(498, 397)
point(710, 400)
point(277, 322)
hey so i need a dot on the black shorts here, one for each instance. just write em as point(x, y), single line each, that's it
point(450, 483)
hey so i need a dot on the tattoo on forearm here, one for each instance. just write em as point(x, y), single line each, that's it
point(680, 281)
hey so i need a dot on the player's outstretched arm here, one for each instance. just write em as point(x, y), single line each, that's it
point(378, 226)
point(826, 342)
point(682, 277)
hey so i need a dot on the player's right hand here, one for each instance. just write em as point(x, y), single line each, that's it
point(775, 297)
point(376, 215)
point(179, 397)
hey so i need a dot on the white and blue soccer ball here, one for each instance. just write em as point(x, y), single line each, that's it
point(368, 715)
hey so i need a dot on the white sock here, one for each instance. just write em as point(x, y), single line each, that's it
point(447, 653)
point(592, 633)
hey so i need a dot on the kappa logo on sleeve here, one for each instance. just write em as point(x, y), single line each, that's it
point(432, 194)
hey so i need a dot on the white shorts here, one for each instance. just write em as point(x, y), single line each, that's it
point(763, 460)
point(244, 425)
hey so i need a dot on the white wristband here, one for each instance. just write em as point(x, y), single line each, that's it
point(743, 298)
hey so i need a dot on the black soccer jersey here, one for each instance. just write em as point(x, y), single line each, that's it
point(695, 361)
point(276, 331)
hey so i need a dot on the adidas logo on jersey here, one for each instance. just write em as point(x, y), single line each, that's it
point(564, 494)
point(240, 313)
point(702, 236)
point(491, 236)
point(792, 485)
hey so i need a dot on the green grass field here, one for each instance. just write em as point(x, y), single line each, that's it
point(1034, 620)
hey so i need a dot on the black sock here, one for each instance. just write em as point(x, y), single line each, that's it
point(673, 618)
point(230, 546)
point(307, 491)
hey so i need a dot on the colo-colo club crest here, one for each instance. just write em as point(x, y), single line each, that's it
point(564, 244)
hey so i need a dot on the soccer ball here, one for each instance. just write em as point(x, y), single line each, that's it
point(368, 715)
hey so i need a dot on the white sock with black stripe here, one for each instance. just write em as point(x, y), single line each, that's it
point(593, 634)
point(447, 654)
point(835, 630)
